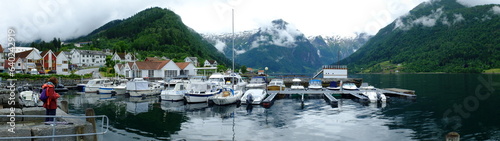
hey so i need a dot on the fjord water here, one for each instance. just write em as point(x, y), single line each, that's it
point(463, 103)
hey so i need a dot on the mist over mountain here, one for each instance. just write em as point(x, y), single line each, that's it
point(283, 48)
point(436, 36)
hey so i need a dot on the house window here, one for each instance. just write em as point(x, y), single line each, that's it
point(170, 73)
point(151, 73)
point(65, 70)
point(30, 61)
point(65, 62)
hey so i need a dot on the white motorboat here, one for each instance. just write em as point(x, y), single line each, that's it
point(296, 84)
point(315, 84)
point(227, 96)
point(216, 79)
point(200, 92)
point(257, 83)
point(253, 96)
point(374, 96)
point(276, 85)
point(118, 87)
point(29, 96)
point(177, 93)
point(333, 86)
point(365, 86)
point(234, 81)
point(349, 86)
point(94, 84)
point(140, 87)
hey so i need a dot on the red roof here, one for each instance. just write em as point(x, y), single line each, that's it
point(182, 65)
point(151, 65)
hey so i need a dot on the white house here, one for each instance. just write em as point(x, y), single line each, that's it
point(88, 58)
point(187, 68)
point(123, 57)
point(193, 60)
point(210, 63)
point(334, 71)
point(62, 63)
point(25, 61)
point(152, 69)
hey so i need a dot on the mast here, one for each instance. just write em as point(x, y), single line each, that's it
point(232, 10)
point(233, 35)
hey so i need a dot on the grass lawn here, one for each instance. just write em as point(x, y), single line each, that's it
point(492, 71)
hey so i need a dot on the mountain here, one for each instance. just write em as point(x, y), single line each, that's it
point(436, 36)
point(154, 32)
point(334, 48)
point(283, 48)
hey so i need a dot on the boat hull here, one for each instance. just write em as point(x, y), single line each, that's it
point(139, 93)
point(89, 89)
point(198, 98)
point(221, 100)
point(276, 88)
point(105, 90)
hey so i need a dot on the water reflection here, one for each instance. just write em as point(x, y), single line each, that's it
point(314, 119)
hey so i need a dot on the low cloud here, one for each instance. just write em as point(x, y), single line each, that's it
point(220, 45)
point(458, 18)
point(278, 33)
point(471, 3)
point(496, 10)
point(430, 20)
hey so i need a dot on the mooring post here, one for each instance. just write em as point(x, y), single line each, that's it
point(453, 136)
point(90, 112)
point(64, 106)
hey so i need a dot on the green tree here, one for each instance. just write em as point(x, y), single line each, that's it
point(243, 69)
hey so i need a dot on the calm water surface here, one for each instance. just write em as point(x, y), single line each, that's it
point(465, 103)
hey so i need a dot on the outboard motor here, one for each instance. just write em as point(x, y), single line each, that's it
point(249, 99)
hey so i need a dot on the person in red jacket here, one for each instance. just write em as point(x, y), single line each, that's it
point(51, 104)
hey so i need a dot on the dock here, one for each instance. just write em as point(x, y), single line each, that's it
point(331, 100)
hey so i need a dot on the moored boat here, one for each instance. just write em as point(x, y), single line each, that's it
point(349, 86)
point(276, 85)
point(227, 96)
point(253, 96)
point(118, 87)
point(296, 84)
point(333, 86)
point(257, 83)
point(177, 93)
point(200, 92)
point(140, 87)
point(93, 85)
point(315, 84)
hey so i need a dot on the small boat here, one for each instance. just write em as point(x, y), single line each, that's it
point(333, 86)
point(234, 81)
point(60, 88)
point(374, 96)
point(253, 96)
point(118, 87)
point(227, 96)
point(139, 87)
point(200, 92)
point(29, 96)
point(257, 82)
point(276, 85)
point(349, 86)
point(296, 84)
point(93, 85)
point(315, 84)
point(365, 86)
point(177, 93)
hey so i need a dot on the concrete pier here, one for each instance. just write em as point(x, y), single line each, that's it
point(35, 126)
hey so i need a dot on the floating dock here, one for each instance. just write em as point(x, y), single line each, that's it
point(355, 94)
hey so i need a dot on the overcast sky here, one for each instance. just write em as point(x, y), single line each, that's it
point(66, 19)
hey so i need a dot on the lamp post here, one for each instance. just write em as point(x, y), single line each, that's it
point(265, 70)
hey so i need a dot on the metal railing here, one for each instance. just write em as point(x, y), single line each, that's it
point(104, 126)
